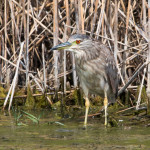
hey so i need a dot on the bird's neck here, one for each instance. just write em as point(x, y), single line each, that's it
point(80, 59)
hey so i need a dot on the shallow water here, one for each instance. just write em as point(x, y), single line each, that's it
point(68, 134)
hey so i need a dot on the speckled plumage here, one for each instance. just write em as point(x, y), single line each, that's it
point(96, 68)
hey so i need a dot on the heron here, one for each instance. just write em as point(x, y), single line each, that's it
point(95, 67)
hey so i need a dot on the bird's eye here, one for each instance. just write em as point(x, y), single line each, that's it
point(78, 41)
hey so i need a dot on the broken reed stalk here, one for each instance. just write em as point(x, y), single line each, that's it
point(67, 31)
point(72, 54)
point(132, 78)
point(12, 88)
point(141, 87)
point(5, 50)
point(81, 19)
point(100, 18)
point(148, 55)
point(1, 57)
point(55, 41)
point(65, 79)
point(115, 31)
point(36, 81)
point(27, 46)
point(140, 31)
point(77, 15)
point(16, 76)
point(40, 87)
point(125, 54)
point(128, 108)
point(35, 19)
point(44, 69)
point(94, 19)
point(144, 14)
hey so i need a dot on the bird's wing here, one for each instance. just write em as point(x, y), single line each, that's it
point(111, 72)
point(106, 59)
point(101, 61)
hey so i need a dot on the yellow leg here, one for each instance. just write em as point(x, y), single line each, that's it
point(105, 106)
point(87, 105)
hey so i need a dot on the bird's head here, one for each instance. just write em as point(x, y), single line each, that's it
point(76, 43)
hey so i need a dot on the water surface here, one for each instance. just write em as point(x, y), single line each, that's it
point(68, 134)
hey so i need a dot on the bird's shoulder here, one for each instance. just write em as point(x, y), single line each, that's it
point(101, 52)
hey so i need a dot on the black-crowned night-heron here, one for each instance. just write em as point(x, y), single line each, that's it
point(96, 68)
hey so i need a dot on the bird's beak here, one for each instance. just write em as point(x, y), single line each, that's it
point(61, 46)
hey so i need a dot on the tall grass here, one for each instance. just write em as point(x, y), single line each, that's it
point(123, 25)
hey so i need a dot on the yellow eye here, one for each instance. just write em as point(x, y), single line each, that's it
point(78, 41)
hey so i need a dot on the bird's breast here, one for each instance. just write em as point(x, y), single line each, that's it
point(91, 78)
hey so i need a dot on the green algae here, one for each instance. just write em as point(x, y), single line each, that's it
point(3, 92)
point(97, 100)
point(112, 122)
point(30, 101)
point(78, 97)
point(40, 101)
point(19, 92)
point(36, 102)
point(144, 97)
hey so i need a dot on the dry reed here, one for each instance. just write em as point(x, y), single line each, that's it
point(123, 25)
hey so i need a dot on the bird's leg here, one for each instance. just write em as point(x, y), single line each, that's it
point(87, 105)
point(105, 106)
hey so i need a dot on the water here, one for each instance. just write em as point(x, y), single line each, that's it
point(68, 134)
